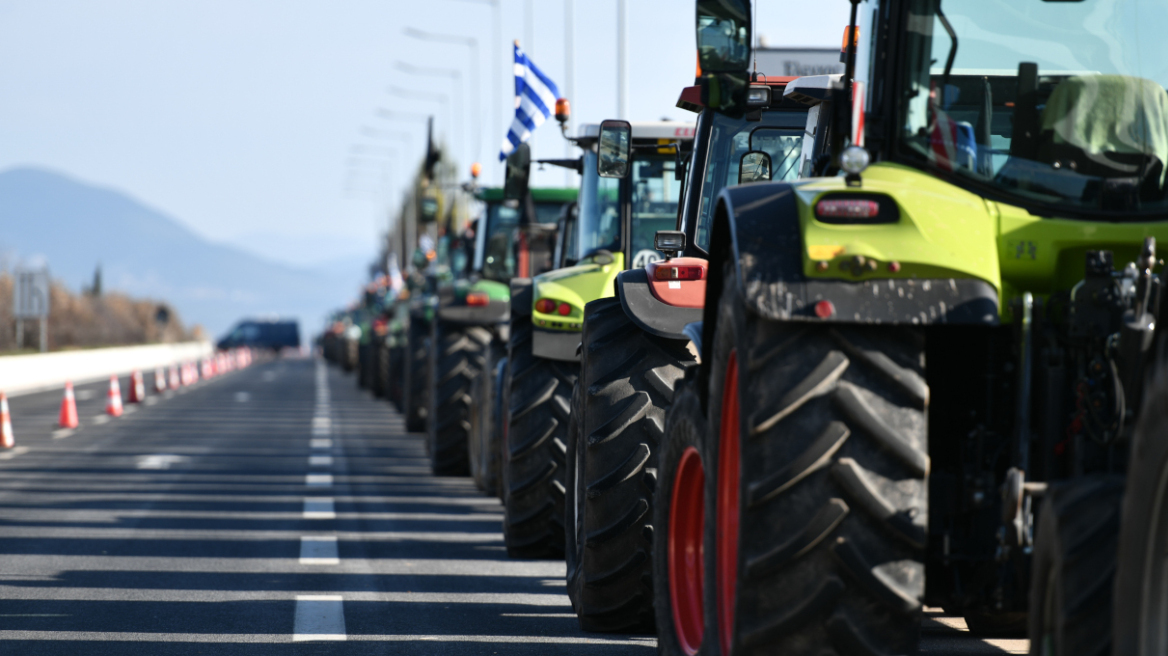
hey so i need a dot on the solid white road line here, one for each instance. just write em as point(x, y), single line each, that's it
point(319, 508)
point(320, 443)
point(320, 461)
point(319, 617)
point(318, 480)
point(319, 550)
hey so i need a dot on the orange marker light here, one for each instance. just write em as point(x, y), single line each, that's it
point(475, 170)
point(563, 110)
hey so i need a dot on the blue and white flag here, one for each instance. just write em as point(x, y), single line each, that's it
point(535, 100)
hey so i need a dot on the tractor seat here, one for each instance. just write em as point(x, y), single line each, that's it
point(1108, 126)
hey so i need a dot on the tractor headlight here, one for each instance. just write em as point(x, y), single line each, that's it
point(854, 160)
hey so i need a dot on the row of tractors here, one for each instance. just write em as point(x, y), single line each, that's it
point(844, 347)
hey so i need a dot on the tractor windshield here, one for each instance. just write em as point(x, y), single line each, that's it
point(654, 192)
point(501, 241)
point(1053, 103)
point(779, 134)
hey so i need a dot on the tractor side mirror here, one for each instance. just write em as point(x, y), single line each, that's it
point(755, 166)
point(724, 33)
point(670, 242)
point(614, 149)
point(518, 173)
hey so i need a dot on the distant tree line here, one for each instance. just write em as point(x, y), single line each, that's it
point(92, 319)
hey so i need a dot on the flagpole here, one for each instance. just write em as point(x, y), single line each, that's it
point(622, 74)
point(569, 73)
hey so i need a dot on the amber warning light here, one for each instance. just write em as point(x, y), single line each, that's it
point(563, 110)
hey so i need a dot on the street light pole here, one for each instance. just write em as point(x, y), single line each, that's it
point(496, 43)
point(454, 74)
point(473, 70)
point(421, 95)
point(569, 71)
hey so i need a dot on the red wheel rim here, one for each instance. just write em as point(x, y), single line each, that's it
point(726, 554)
point(687, 518)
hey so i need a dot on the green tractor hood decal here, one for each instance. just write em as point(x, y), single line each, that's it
point(576, 286)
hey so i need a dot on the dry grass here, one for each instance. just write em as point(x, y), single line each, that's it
point(83, 321)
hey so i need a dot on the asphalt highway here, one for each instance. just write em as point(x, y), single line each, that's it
point(276, 509)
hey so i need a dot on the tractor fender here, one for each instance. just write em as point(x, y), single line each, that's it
point(648, 312)
point(758, 227)
point(495, 312)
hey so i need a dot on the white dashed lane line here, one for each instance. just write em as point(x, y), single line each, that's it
point(319, 550)
point(318, 480)
point(321, 426)
point(320, 443)
point(319, 618)
point(319, 508)
point(320, 461)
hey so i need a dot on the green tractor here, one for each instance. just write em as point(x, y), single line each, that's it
point(922, 372)
point(469, 333)
point(616, 220)
point(421, 288)
point(634, 349)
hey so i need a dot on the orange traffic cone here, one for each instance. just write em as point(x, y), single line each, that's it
point(159, 380)
point(7, 440)
point(113, 400)
point(137, 387)
point(174, 382)
point(68, 417)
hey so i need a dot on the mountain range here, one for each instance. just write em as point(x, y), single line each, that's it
point(144, 252)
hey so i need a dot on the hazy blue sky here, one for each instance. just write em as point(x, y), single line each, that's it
point(241, 117)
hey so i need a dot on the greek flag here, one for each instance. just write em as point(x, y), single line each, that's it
point(535, 99)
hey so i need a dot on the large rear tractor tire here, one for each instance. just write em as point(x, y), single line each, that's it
point(1141, 580)
point(1074, 568)
point(393, 392)
point(364, 366)
point(534, 444)
point(457, 360)
point(348, 354)
point(380, 367)
point(818, 472)
point(415, 383)
point(680, 599)
point(626, 384)
point(484, 440)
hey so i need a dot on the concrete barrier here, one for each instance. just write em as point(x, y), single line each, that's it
point(26, 374)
